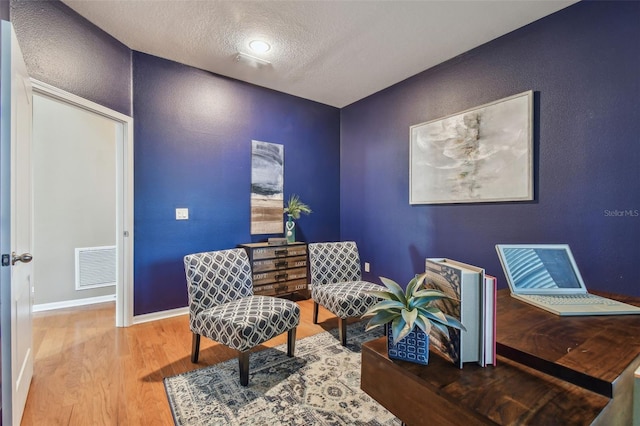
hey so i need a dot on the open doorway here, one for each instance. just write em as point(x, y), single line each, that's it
point(83, 203)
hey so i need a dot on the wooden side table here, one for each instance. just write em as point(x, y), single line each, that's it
point(278, 270)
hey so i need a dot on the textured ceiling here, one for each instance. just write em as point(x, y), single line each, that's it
point(333, 52)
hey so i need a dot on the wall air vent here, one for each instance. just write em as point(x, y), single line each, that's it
point(95, 267)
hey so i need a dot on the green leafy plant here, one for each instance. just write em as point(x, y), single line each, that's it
point(411, 307)
point(295, 207)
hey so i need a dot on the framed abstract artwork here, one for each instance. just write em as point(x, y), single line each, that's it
point(267, 188)
point(484, 154)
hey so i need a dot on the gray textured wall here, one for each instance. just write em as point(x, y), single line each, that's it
point(65, 50)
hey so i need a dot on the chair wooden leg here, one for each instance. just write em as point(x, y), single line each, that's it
point(342, 331)
point(291, 342)
point(315, 312)
point(195, 347)
point(243, 364)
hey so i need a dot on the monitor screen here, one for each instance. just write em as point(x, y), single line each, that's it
point(533, 268)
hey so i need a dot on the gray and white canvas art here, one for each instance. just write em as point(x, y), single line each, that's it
point(480, 155)
point(267, 188)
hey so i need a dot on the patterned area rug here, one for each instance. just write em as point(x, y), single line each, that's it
point(319, 386)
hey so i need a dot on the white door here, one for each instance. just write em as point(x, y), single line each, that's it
point(15, 199)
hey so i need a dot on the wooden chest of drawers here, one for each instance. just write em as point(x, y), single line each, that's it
point(278, 270)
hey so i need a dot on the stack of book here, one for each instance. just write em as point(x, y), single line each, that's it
point(473, 303)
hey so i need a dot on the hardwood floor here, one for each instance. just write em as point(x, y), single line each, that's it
point(88, 372)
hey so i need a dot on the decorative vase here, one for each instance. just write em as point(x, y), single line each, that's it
point(290, 230)
point(414, 347)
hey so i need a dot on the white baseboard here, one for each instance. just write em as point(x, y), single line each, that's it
point(139, 319)
point(72, 303)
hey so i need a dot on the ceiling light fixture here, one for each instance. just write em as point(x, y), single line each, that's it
point(252, 60)
point(259, 46)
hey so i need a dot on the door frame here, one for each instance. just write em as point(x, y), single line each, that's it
point(124, 195)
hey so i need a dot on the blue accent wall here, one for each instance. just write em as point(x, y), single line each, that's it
point(193, 133)
point(65, 50)
point(4, 10)
point(583, 64)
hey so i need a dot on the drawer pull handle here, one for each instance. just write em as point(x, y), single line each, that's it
point(281, 277)
point(280, 264)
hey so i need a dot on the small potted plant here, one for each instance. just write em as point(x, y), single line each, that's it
point(409, 316)
point(294, 208)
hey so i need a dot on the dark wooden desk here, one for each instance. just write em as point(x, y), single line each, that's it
point(442, 394)
point(600, 353)
point(586, 358)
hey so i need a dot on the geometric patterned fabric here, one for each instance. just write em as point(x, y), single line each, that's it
point(336, 280)
point(222, 306)
point(334, 262)
point(347, 299)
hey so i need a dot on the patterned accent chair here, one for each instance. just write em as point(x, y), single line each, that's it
point(222, 306)
point(336, 283)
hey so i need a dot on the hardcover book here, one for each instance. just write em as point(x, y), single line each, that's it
point(489, 319)
point(464, 283)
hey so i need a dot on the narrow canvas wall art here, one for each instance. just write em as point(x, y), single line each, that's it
point(483, 154)
point(267, 188)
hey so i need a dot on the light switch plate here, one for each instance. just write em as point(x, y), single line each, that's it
point(182, 214)
point(367, 267)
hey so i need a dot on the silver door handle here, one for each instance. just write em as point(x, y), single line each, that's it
point(24, 258)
